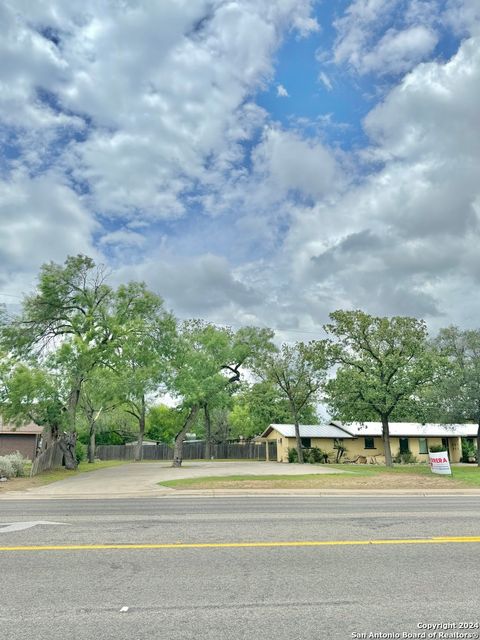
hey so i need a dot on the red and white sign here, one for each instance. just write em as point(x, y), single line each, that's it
point(439, 462)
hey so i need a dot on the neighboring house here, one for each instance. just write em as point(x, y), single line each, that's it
point(407, 436)
point(365, 438)
point(25, 438)
point(326, 437)
point(150, 443)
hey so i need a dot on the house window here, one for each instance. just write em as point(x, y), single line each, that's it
point(338, 443)
point(422, 445)
point(306, 443)
point(404, 445)
point(369, 442)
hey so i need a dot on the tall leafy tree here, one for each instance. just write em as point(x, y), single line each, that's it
point(298, 372)
point(457, 395)
point(68, 310)
point(208, 363)
point(383, 362)
point(97, 399)
point(142, 362)
point(263, 403)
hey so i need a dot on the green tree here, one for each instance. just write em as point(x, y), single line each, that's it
point(263, 403)
point(96, 400)
point(208, 362)
point(35, 394)
point(457, 396)
point(383, 363)
point(68, 311)
point(163, 423)
point(298, 372)
point(142, 362)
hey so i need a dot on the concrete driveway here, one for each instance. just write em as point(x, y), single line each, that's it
point(141, 479)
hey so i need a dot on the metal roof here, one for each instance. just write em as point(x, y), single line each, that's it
point(409, 429)
point(308, 431)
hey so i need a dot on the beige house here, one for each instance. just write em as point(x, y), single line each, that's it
point(407, 436)
point(326, 437)
point(365, 438)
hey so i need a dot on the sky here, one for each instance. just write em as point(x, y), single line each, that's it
point(253, 161)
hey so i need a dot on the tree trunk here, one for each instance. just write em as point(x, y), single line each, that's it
point(91, 444)
point(141, 431)
point(67, 444)
point(386, 442)
point(297, 437)
point(73, 404)
point(180, 437)
point(208, 433)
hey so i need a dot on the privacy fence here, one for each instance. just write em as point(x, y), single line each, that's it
point(51, 458)
point(191, 451)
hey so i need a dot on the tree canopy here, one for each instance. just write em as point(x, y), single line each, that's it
point(382, 362)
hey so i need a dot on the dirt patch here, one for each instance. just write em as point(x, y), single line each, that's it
point(17, 484)
point(380, 481)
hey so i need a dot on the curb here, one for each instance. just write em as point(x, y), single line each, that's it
point(173, 494)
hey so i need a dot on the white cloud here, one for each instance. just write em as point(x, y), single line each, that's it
point(290, 163)
point(282, 92)
point(167, 127)
point(41, 219)
point(203, 286)
point(372, 38)
point(325, 80)
point(404, 240)
point(167, 110)
point(399, 51)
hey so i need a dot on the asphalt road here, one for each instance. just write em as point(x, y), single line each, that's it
point(300, 591)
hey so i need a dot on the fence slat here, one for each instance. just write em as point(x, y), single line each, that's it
point(51, 458)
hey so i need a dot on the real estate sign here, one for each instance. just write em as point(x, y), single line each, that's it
point(439, 462)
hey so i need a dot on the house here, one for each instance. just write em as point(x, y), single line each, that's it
point(365, 438)
point(25, 439)
point(326, 437)
point(407, 436)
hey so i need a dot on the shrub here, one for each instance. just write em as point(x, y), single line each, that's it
point(435, 448)
point(468, 450)
point(317, 455)
point(292, 455)
point(80, 451)
point(18, 463)
point(6, 468)
point(406, 457)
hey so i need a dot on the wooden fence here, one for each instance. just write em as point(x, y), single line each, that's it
point(51, 458)
point(191, 451)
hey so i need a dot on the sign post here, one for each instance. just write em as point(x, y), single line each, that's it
point(439, 463)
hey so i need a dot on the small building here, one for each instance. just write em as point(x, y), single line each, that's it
point(365, 439)
point(412, 437)
point(327, 437)
point(24, 438)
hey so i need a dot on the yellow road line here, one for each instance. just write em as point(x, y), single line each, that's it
point(241, 545)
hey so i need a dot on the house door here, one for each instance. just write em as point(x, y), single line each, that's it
point(272, 450)
point(404, 445)
point(445, 445)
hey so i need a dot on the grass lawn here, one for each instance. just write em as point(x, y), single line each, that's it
point(358, 477)
point(17, 484)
